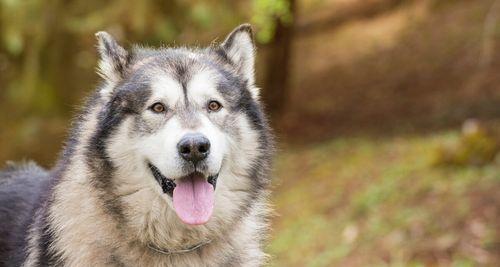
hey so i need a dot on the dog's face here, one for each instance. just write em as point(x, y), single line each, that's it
point(182, 119)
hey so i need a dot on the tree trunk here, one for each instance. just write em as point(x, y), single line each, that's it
point(276, 82)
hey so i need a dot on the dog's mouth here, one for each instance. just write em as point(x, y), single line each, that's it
point(193, 195)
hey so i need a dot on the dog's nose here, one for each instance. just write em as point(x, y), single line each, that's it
point(194, 147)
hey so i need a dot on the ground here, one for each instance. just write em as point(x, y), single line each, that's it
point(368, 201)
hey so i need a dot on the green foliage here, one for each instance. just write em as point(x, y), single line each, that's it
point(265, 16)
point(475, 148)
point(17, 18)
point(202, 14)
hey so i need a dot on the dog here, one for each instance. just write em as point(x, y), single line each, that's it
point(167, 164)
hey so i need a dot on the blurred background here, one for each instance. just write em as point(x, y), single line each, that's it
point(387, 113)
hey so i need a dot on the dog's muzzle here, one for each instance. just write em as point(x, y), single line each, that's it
point(168, 185)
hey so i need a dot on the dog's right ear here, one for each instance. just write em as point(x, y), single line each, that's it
point(114, 59)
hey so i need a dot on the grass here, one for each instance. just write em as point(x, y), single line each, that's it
point(382, 202)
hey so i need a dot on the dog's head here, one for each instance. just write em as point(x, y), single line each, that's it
point(184, 121)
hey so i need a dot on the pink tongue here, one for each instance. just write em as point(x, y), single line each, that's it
point(193, 199)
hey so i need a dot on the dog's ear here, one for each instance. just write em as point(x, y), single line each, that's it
point(114, 59)
point(239, 47)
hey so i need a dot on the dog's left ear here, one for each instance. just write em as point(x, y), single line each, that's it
point(239, 48)
point(114, 59)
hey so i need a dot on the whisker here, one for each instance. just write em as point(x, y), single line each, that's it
point(133, 192)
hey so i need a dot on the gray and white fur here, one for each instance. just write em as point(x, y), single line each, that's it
point(101, 204)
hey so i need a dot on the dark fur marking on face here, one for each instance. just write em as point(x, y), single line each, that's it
point(102, 166)
point(181, 74)
point(129, 99)
point(230, 85)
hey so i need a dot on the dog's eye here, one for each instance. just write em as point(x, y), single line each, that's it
point(214, 105)
point(158, 107)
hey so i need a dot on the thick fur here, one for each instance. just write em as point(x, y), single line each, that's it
point(101, 206)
